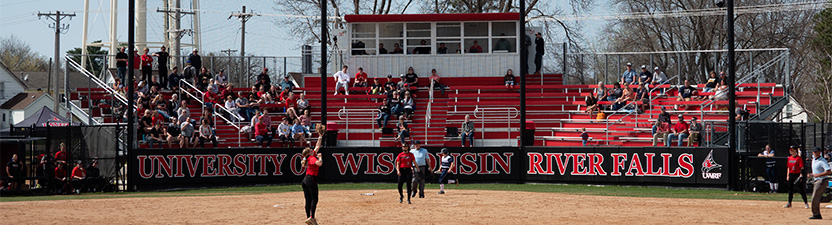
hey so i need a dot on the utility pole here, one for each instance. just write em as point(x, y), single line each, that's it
point(177, 33)
point(57, 16)
point(244, 17)
point(228, 63)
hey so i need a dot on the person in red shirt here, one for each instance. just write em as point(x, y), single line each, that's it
point(312, 160)
point(404, 162)
point(360, 78)
point(60, 178)
point(137, 62)
point(680, 132)
point(794, 173)
point(60, 156)
point(261, 132)
point(78, 176)
point(147, 65)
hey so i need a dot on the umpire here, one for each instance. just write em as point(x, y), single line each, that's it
point(420, 155)
point(820, 173)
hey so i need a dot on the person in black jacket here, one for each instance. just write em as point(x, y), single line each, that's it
point(195, 59)
point(538, 52)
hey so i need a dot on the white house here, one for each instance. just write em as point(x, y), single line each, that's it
point(10, 86)
point(16, 103)
point(792, 112)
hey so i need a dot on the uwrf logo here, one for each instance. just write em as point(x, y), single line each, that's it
point(709, 164)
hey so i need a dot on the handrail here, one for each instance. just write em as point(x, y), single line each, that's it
point(344, 114)
point(428, 111)
point(234, 116)
point(239, 136)
point(752, 74)
point(74, 106)
point(650, 97)
point(200, 100)
point(508, 117)
point(95, 79)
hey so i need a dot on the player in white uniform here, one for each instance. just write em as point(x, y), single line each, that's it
point(446, 162)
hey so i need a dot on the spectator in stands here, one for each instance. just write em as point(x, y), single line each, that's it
point(411, 78)
point(539, 51)
point(383, 116)
point(360, 78)
point(13, 171)
point(375, 88)
point(162, 58)
point(616, 92)
point(156, 135)
point(381, 49)
point(442, 49)
point(694, 129)
point(173, 79)
point(147, 65)
point(195, 59)
point(643, 95)
point(645, 76)
point(402, 84)
point(584, 136)
point(242, 105)
point(183, 113)
point(661, 131)
point(468, 131)
point(231, 105)
point(659, 77)
point(206, 133)
point(475, 48)
point(680, 132)
point(712, 83)
point(186, 137)
point(390, 82)
point(404, 134)
point(723, 76)
point(302, 104)
point(407, 104)
point(686, 93)
point(502, 44)
point(626, 96)
point(299, 133)
point(396, 108)
point(228, 90)
point(285, 132)
point(422, 49)
point(600, 92)
point(173, 132)
point(397, 49)
point(161, 106)
point(741, 114)
point(591, 104)
point(146, 122)
point(629, 75)
point(287, 84)
point(434, 79)
point(210, 98)
point(342, 80)
point(78, 176)
point(221, 79)
point(254, 103)
point(402, 123)
point(664, 117)
point(121, 64)
point(508, 79)
point(205, 78)
point(721, 92)
point(289, 102)
point(261, 132)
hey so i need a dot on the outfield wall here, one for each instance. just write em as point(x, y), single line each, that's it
point(694, 167)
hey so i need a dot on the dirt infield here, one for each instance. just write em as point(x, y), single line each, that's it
point(455, 207)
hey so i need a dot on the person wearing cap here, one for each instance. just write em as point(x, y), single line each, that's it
point(694, 130)
point(680, 132)
point(389, 82)
point(221, 79)
point(405, 164)
point(659, 77)
point(342, 80)
point(794, 175)
point(820, 177)
point(287, 84)
point(195, 59)
point(629, 75)
point(661, 131)
point(375, 88)
point(78, 175)
point(645, 76)
point(446, 162)
point(162, 58)
point(420, 156)
point(686, 93)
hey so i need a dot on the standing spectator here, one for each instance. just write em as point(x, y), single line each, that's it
point(162, 65)
point(404, 166)
point(584, 136)
point(13, 169)
point(434, 79)
point(173, 79)
point(121, 64)
point(206, 133)
point(694, 130)
point(46, 168)
point(195, 59)
point(299, 132)
point(659, 77)
point(261, 132)
point(360, 78)
point(509, 79)
point(645, 76)
point(662, 129)
point(820, 173)
point(137, 63)
point(629, 75)
point(539, 50)
point(285, 132)
point(147, 65)
point(475, 48)
point(342, 80)
point(686, 93)
point(420, 156)
point(712, 83)
point(680, 132)
point(185, 139)
point(794, 175)
point(468, 131)
point(173, 132)
point(411, 78)
point(381, 49)
point(771, 166)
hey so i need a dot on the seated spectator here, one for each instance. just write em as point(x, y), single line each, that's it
point(60, 179)
point(591, 104)
point(183, 113)
point(741, 113)
point(695, 128)
point(261, 132)
point(78, 176)
point(509, 79)
point(173, 132)
point(221, 79)
point(712, 83)
point(342, 79)
point(721, 93)
point(600, 92)
point(302, 104)
point(402, 84)
point(659, 77)
point(404, 134)
point(408, 104)
point(146, 123)
point(686, 93)
point(616, 92)
point(210, 98)
point(662, 129)
point(390, 82)
point(306, 122)
point(467, 131)
point(381, 49)
point(231, 105)
point(289, 103)
point(664, 117)
point(422, 49)
point(643, 95)
point(628, 76)
point(442, 49)
point(680, 132)
point(411, 78)
point(190, 72)
point(645, 76)
point(375, 88)
point(626, 96)
point(383, 116)
point(434, 79)
point(299, 132)
point(397, 49)
point(228, 91)
point(475, 48)
point(285, 132)
point(206, 133)
point(287, 84)
point(502, 44)
point(205, 79)
point(156, 135)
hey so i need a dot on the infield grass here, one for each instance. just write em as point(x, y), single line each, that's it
point(577, 189)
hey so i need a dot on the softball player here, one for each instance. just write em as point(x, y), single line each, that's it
point(447, 161)
point(312, 160)
point(404, 162)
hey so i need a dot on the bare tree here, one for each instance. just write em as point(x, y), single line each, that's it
point(18, 56)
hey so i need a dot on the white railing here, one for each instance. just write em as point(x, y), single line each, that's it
point(428, 111)
point(358, 114)
point(507, 113)
point(754, 74)
point(233, 124)
point(95, 79)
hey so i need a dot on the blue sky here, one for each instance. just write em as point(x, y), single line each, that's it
point(19, 18)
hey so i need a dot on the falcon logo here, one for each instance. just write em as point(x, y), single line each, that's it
point(709, 164)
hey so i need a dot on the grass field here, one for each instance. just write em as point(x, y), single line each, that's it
point(623, 191)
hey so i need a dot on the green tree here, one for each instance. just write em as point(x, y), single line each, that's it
point(822, 44)
point(18, 56)
point(94, 63)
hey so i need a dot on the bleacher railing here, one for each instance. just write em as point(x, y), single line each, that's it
point(507, 114)
point(364, 116)
point(428, 112)
point(95, 79)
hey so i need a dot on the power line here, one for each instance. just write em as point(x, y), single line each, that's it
point(57, 16)
point(784, 7)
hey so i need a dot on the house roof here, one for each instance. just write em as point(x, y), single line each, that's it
point(21, 100)
point(19, 81)
point(40, 80)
